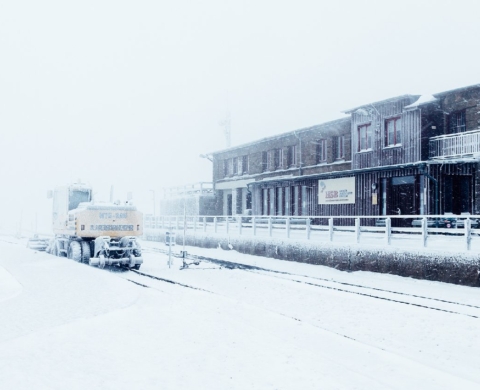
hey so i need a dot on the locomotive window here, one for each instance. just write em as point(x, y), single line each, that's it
point(77, 197)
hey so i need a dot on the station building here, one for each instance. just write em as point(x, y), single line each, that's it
point(406, 155)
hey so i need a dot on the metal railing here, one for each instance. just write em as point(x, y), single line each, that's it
point(410, 230)
point(455, 145)
point(200, 188)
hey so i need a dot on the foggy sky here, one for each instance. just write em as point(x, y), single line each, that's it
point(130, 93)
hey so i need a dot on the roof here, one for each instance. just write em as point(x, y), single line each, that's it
point(282, 135)
point(424, 99)
point(389, 100)
point(440, 94)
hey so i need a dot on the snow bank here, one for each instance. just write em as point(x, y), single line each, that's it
point(461, 268)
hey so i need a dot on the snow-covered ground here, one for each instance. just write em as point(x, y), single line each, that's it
point(66, 325)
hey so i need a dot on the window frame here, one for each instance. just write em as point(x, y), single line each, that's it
point(339, 148)
point(264, 161)
point(245, 164)
point(277, 159)
point(397, 131)
point(368, 137)
point(455, 129)
point(292, 156)
point(235, 166)
point(321, 150)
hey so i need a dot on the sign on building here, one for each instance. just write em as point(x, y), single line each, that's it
point(336, 191)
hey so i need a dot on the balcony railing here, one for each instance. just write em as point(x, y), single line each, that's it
point(455, 145)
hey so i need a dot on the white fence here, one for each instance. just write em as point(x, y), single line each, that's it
point(452, 232)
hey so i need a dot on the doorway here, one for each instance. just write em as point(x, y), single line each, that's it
point(457, 194)
point(401, 199)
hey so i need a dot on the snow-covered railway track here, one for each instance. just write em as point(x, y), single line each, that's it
point(397, 297)
point(154, 277)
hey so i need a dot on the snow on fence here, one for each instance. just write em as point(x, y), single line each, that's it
point(451, 232)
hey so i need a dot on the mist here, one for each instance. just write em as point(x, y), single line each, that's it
point(130, 94)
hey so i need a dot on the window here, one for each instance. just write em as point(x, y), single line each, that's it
point(292, 156)
point(225, 167)
point(365, 137)
point(235, 166)
point(240, 165)
point(244, 160)
point(277, 158)
point(264, 161)
point(321, 151)
point(393, 132)
point(339, 147)
point(457, 123)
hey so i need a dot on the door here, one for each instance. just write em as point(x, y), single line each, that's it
point(457, 194)
point(401, 199)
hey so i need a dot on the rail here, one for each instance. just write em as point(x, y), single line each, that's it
point(422, 231)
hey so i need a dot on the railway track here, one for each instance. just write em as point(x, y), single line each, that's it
point(430, 303)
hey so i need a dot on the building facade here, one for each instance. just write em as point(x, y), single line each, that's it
point(407, 155)
point(264, 176)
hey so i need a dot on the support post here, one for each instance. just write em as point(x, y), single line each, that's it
point(254, 226)
point(287, 225)
point(204, 224)
point(330, 229)
point(388, 231)
point(357, 230)
point(468, 233)
point(270, 226)
point(308, 228)
point(424, 231)
point(215, 224)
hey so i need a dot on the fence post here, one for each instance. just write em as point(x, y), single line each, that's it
point(239, 226)
point(270, 226)
point(287, 226)
point(424, 231)
point(254, 226)
point(388, 231)
point(204, 224)
point(215, 224)
point(330, 229)
point(308, 228)
point(357, 230)
point(468, 233)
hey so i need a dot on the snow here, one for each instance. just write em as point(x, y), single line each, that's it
point(424, 99)
point(68, 325)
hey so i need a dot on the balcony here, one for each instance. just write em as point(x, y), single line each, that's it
point(457, 145)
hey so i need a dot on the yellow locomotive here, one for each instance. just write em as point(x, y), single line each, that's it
point(95, 233)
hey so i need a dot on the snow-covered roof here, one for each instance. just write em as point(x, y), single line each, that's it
point(282, 135)
point(389, 100)
point(424, 99)
point(440, 94)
